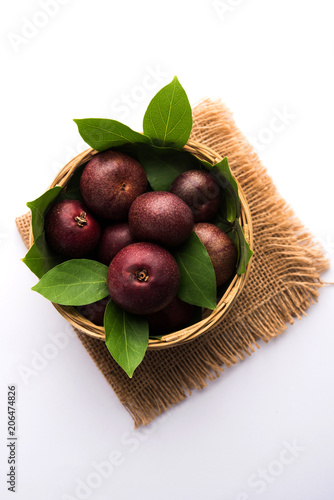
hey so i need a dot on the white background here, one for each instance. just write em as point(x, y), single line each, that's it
point(92, 59)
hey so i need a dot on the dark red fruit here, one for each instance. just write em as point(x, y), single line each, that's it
point(199, 191)
point(113, 239)
point(94, 312)
point(161, 217)
point(175, 316)
point(221, 250)
point(143, 278)
point(110, 182)
point(71, 230)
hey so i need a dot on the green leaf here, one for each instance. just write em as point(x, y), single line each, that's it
point(101, 133)
point(38, 208)
point(126, 337)
point(244, 251)
point(163, 165)
point(222, 223)
point(229, 206)
point(168, 118)
point(40, 259)
point(223, 176)
point(75, 282)
point(72, 190)
point(198, 280)
point(235, 238)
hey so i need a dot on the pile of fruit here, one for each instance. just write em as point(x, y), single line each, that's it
point(131, 230)
point(142, 237)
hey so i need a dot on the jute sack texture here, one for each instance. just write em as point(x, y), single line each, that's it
point(284, 282)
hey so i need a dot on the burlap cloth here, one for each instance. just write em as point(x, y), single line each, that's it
point(283, 283)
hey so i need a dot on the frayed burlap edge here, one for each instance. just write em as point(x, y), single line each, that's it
point(284, 282)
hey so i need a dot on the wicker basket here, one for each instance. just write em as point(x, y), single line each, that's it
point(209, 318)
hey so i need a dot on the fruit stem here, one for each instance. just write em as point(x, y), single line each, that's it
point(81, 219)
point(142, 275)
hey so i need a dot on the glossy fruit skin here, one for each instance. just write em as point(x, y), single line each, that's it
point(199, 191)
point(161, 217)
point(172, 318)
point(143, 278)
point(68, 233)
point(221, 250)
point(113, 239)
point(94, 312)
point(110, 182)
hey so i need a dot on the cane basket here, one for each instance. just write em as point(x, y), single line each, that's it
point(209, 318)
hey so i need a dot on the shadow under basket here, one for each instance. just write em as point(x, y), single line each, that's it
point(209, 318)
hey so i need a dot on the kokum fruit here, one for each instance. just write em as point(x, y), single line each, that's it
point(94, 312)
point(161, 217)
point(110, 182)
point(113, 239)
point(199, 191)
point(171, 318)
point(143, 278)
point(221, 250)
point(71, 230)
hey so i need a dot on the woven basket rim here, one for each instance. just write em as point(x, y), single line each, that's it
point(209, 318)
